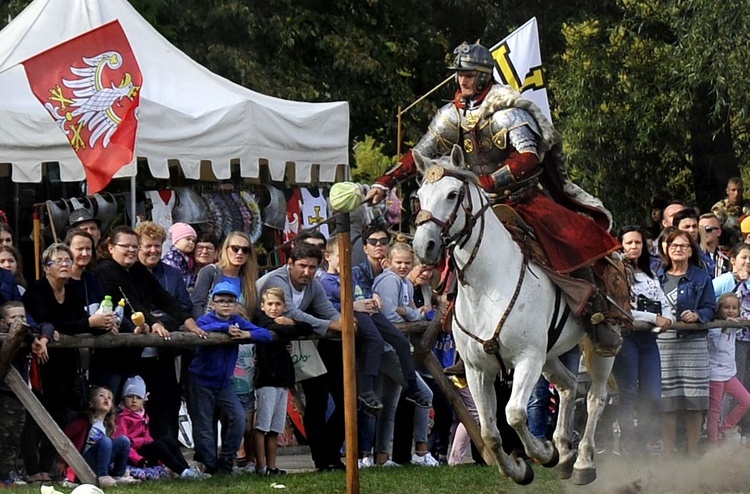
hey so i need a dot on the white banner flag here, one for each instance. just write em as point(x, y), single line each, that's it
point(520, 63)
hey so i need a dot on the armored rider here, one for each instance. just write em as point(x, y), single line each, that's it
point(516, 153)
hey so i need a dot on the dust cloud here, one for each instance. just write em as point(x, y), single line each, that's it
point(725, 469)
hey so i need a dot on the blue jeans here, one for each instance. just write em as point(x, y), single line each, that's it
point(637, 370)
point(538, 407)
point(108, 452)
point(379, 430)
point(206, 401)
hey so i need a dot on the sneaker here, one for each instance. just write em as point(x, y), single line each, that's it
point(370, 401)
point(192, 474)
point(654, 447)
point(389, 464)
point(365, 462)
point(15, 481)
point(425, 461)
point(67, 484)
point(732, 437)
point(249, 467)
point(262, 471)
point(418, 397)
point(275, 471)
point(107, 481)
point(126, 480)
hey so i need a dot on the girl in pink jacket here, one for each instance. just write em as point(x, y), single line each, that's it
point(132, 422)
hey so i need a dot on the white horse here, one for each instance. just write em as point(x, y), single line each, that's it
point(503, 309)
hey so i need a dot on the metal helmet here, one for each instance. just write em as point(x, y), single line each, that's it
point(474, 57)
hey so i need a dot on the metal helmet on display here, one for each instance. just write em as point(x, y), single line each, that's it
point(474, 57)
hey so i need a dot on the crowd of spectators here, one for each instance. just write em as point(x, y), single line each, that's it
point(685, 267)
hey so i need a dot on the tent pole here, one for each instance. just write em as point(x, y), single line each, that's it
point(132, 201)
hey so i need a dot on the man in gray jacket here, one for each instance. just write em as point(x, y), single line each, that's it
point(307, 302)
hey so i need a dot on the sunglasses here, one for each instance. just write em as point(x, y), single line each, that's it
point(376, 241)
point(710, 229)
point(239, 248)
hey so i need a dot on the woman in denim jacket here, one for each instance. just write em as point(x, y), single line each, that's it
point(684, 355)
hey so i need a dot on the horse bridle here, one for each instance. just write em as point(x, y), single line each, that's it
point(434, 174)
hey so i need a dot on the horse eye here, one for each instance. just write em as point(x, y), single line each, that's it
point(452, 195)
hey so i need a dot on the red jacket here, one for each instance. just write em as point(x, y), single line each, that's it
point(135, 427)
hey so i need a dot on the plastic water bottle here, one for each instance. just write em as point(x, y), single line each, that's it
point(106, 307)
point(119, 311)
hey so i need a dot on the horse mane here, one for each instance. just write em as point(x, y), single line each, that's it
point(465, 175)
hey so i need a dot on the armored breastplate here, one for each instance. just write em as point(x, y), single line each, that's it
point(484, 150)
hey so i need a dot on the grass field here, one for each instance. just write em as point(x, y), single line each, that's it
point(719, 471)
point(467, 479)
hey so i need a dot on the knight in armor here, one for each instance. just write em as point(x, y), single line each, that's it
point(516, 153)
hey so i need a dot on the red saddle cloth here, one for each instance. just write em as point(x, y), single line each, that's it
point(570, 240)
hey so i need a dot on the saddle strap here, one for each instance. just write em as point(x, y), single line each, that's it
point(555, 330)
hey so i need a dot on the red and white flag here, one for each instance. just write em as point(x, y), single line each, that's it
point(91, 86)
point(520, 62)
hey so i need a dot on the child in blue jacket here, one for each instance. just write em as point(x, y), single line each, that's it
point(211, 381)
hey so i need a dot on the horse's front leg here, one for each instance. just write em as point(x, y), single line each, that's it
point(599, 368)
point(525, 377)
point(482, 387)
point(565, 383)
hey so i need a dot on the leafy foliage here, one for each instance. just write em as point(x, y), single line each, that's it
point(651, 95)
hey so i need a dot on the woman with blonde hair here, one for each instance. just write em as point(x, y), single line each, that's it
point(238, 265)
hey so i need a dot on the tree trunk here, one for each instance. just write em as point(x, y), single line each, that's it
point(712, 148)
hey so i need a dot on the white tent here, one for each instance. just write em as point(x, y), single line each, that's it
point(187, 113)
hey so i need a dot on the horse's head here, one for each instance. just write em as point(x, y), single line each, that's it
point(447, 191)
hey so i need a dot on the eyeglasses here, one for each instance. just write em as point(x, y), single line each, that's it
point(237, 248)
point(376, 241)
point(710, 229)
point(60, 262)
point(679, 246)
point(225, 302)
point(128, 246)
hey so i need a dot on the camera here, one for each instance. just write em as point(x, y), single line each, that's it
point(644, 304)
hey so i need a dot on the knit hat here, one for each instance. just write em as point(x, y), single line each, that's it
point(745, 225)
point(178, 231)
point(135, 386)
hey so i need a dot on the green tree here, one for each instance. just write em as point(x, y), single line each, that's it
point(650, 100)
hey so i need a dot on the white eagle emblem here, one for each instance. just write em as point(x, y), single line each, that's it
point(93, 102)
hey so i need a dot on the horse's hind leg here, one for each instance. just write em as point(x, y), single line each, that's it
point(482, 386)
point(565, 383)
point(525, 376)
point(599, 368)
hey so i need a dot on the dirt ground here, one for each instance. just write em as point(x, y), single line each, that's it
point(725, 469)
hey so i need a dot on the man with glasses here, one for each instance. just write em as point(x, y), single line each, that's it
point(306, 302)
point(718, 262)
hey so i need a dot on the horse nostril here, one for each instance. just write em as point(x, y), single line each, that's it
point(430, 246)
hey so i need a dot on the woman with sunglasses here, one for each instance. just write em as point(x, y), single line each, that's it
point(237, 265)
point(637, 366)
point(123, 276)
point(51, 303)
point(684, 354)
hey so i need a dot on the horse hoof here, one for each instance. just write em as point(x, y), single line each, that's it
point(565, 470)
point(554, 460)
point(528, 476)
point(583, 476)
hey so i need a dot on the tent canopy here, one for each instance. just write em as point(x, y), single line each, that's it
point(187, 113)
